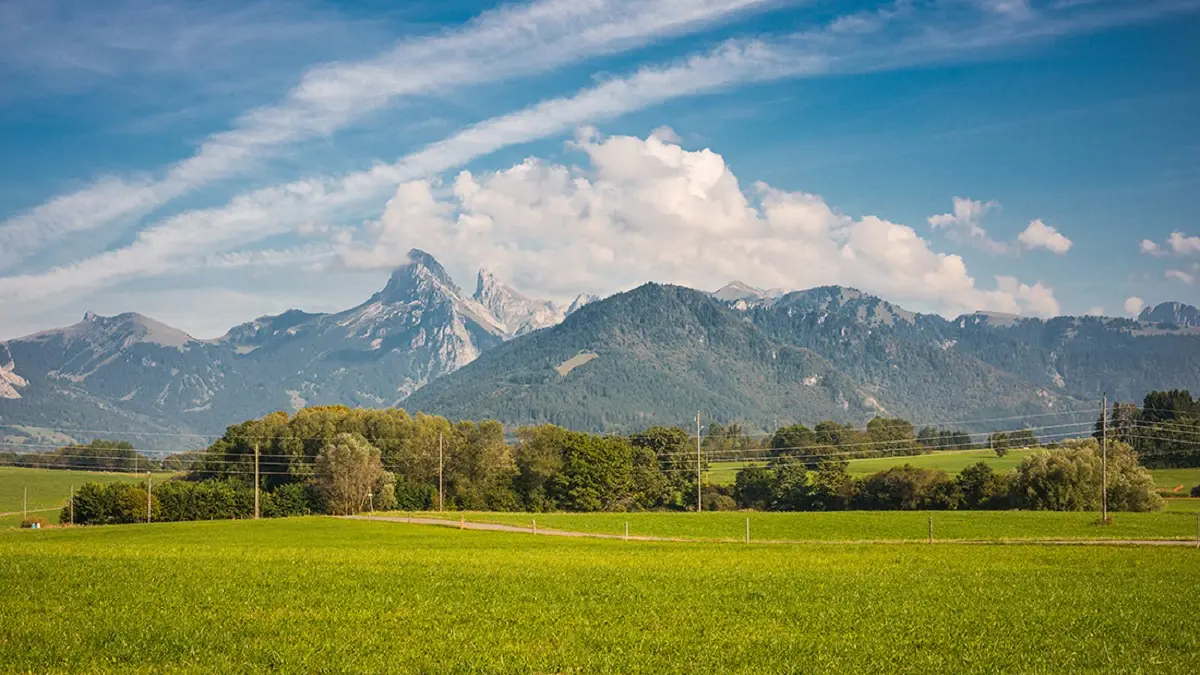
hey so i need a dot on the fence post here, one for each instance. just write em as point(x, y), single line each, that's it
point(462, 521)
point(627, 530)
point(747, 530)
point(931, 529)
point(535, 525)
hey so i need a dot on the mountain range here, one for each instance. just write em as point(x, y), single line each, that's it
point(654, 355)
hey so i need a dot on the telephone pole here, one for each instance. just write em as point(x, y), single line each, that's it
point(1104, 460)
point(72, 504)
point(256, 480)
point(149, 494)
point(441, 484)
point(698, 506)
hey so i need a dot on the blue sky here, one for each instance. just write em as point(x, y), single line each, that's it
point(207, 164)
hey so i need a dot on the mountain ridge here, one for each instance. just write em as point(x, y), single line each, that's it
point(132, 374)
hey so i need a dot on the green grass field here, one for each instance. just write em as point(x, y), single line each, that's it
point(324, 595)
point(1178, 521)
point(49, 489)
point(952, 462)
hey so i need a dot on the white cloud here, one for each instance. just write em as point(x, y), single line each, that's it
point(1041, 235)
point(1095, 311)
point(967, 219)
point(650, 209)
point(507, 42)
point(1181, 276)
point(1177, 243)
point(1182, 244)
point(888, 40)
point(1134, 305)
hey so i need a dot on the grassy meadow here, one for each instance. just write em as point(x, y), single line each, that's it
point(49, 489)
point(328, 595)
point(1178, 521)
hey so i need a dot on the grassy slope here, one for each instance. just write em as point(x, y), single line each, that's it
point(49, 488)
point(724, 473)
point(1173, 523)
point(308, 595)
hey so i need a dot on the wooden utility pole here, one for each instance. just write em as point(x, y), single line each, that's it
point(256, 480)
point(441, 484)
point(72, 504)
point(25, 503)
point(1104, 460)
point(698, 505)
point(149, 493)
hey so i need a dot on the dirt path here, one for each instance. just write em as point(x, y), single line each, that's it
point(496, 527)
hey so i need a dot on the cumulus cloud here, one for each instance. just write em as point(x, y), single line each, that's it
point(965, 224)
point(649, 209)
point(1041, 235)
point(1182, 244)
point(1134, 305)
point(1177, 243)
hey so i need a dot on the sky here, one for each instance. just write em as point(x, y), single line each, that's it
point(208, 163)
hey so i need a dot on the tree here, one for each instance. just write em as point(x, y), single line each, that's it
point(832, 487)
point(982, 488)
point(892, 436)
point(675, 453)
point(1069, 479)
point(792, 440)
point(1122, 423)
point(346, 471)
point(998, 442)
point(753, 488)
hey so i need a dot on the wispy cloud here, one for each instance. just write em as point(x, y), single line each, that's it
point(894, 38)
point(507, 42)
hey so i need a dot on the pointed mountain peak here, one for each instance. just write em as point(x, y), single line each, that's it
point(581, 300)
point(488, 287)
point(737, 290)
point(519, 313)
point(419, 260)
point(420, 270)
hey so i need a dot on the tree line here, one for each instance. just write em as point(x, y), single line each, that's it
point(340, 460)
point(1165, 430)
point(1067, 478)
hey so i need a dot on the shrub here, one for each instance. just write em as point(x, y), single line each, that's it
point(290, 499)
point(29, 523)
point(412, 496)
point(909, 488)
point(1195, 491)
point(112, 503)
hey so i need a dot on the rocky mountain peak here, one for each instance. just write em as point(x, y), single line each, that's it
point(1176, 313)
point(518, 313)
point(421, 274)
point(581, 300)
point(737, 290)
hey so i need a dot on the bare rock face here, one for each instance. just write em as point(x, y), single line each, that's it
point(517, 313)
point(1172, 313)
